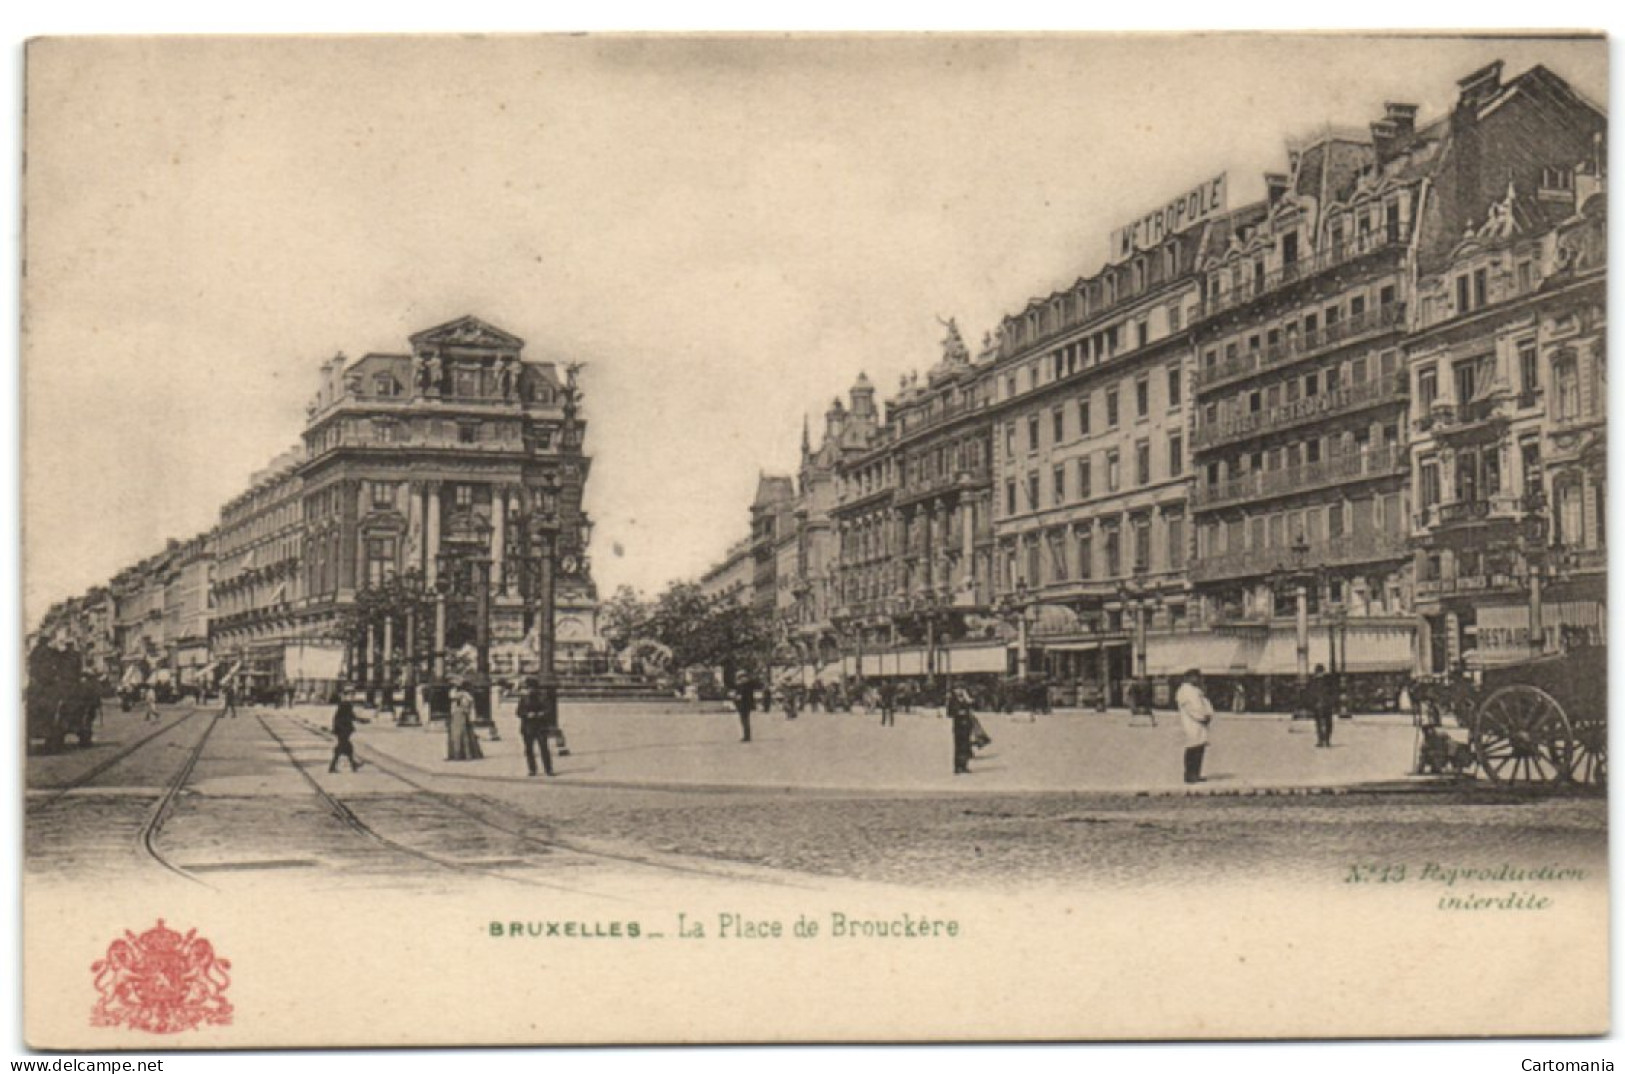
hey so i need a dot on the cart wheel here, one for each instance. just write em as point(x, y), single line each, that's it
point(1588, 761)
point(1523, 738)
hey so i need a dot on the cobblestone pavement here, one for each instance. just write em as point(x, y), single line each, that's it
point(258, 805)
point(674, 744)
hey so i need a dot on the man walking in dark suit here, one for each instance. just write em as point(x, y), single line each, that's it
point(1321, 705)
point(344, 721)
point(964, 721)
point(744, 702)
point(538, 715)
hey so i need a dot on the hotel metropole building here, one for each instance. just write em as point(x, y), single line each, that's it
point(1091, 472)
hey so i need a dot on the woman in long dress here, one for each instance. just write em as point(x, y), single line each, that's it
point(461, 743)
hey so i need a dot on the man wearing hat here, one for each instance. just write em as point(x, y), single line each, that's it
point(1195, 713)
point(538, 715)
point(964, 723)
point(344, 721)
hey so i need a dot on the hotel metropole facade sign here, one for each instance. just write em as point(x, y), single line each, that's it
point(1187, 210)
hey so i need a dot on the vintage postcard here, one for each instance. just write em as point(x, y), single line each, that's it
point(740, 538)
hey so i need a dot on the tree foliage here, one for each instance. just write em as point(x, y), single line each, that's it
point(703, 632)
point(622, 616)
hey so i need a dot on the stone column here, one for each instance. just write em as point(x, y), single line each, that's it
point(372, 662)
point(414, 525)
point(499, 538)
point(545, 600)
point(431, 536)
point(438, 658)
point(386, 664)
point(967, 534)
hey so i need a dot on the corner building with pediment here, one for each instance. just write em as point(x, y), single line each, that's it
point(428, 466)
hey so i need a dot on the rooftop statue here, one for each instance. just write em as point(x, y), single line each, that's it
point(953, 344)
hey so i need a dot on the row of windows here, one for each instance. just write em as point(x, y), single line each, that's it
point(1253, 272)
point(240, 532)
point(1279, 531)
point(1092, 552)
point(1303, 325)
point(1475, 288)
point(1306, 451)
point(1090, 297)
point(943, 462)
point(1089, 351)
point(916, 535)
point(1477, 473)
point(1355, 371)
point(1084, 410)
point(1471, 377)
point(1082, 488)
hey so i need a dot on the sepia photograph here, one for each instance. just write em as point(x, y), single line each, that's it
point(834, 538)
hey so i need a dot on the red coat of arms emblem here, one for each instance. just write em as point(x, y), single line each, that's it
point(161, 982)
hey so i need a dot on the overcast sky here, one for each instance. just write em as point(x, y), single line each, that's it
point(726, 231)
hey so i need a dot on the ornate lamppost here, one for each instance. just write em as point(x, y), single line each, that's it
point(1337, 651)
point(1532, 537)
point(1299, 576)
point(1132, 594)
point(1012, 608)
point(544, 529)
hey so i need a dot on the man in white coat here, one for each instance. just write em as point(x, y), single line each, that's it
point(1196, 713)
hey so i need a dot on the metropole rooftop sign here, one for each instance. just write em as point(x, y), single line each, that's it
point(1204, 201)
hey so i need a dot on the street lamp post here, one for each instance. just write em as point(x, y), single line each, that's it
point(1132, 594)
point(1533, 538)
point(1337, 646)
point(1299, 577)
point(1012, 609)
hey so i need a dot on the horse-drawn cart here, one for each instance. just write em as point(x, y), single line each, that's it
point(1542, 722)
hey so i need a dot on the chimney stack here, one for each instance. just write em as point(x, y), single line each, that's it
point(1402, 116)
point(1481, 85)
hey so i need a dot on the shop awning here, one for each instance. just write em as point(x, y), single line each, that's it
point(1175, 654)
point(973, 661)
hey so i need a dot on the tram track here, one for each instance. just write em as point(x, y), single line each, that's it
point(550, 846)
point(143, 833)
point(84, 779)
point(165, 805)
point(348, 817)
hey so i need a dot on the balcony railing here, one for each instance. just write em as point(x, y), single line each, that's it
point(1334, 471)
point(1506, 507)
point(1311, 408)
point(1338, 551)
point(1370, 323)
point(1341, 254)
point(935, 483)
point(1447, 419)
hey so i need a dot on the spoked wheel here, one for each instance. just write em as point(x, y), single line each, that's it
point(1588, 764)
point(1523, 738)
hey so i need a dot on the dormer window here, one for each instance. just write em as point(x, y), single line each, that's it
point(384, 386)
